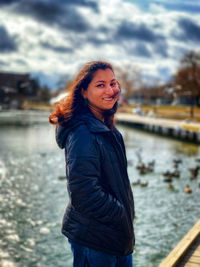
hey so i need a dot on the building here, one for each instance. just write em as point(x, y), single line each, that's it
point(15, 88)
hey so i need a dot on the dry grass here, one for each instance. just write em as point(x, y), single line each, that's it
point(36, 106)
point(171, 112)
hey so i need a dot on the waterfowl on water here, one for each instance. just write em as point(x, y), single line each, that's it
point(151, 164)
point(145, 168)
point(170, 186)
point(188, 190)
point(168, 180)
point(176, 163)
point(61, 177)
point(175, 174)
point(143, 184)
point(136, 183)
point(194, 172)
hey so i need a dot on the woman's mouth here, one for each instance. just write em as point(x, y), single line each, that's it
point(110, 98)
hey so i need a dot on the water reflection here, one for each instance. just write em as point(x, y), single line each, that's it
point(33, 198)
point(163, 215)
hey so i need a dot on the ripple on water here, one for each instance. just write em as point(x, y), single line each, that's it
point(7, 263)
point(33, 199)
point(44, 230)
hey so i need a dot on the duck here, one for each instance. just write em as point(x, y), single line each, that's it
point(151, 165)
point(170, 186)
point(176, 163)
point(143, 184)
point(168, 180)
point(188, 190)
point(169, 174)
point(176, 174)
point(194, 172)
point(61, 178)
point(144, 168)
point(136, 183)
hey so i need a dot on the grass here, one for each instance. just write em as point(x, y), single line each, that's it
point(170, 112)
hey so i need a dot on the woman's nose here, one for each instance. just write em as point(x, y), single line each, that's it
point(110, 89)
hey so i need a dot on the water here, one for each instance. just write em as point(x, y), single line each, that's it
point(33, 198)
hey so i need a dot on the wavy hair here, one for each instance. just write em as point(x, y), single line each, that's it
point(73, 104)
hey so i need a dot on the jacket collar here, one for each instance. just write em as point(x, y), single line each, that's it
point(94, 125)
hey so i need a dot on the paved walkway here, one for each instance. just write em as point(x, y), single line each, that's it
point(168, 123)
point(183, 130)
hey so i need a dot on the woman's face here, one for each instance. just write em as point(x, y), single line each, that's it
point(103, 91)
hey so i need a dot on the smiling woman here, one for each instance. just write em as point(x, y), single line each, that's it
point(98, 221)
point(102, 93)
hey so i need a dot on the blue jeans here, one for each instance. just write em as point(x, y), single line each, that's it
point(87, 257)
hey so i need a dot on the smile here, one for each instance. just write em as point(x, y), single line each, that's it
point(108, 98)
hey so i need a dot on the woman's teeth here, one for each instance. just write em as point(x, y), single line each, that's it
point(108, 98)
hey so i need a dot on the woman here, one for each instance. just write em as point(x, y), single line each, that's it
point(98, 221)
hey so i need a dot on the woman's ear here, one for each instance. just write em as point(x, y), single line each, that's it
point(84, 93)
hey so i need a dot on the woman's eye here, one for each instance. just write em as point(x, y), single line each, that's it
point(100, 85)
point(113, 84)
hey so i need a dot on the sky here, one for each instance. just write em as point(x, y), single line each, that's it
point(51, 39)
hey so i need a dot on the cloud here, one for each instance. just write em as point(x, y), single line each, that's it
point(2, 63)
point(129, 30)
point(161, 48)
point(55, 13)
point(59, 36)
point(189, 30)
point(7, 43)
point(188, 6)
point(56, 48)
point(86, 3)
point(141, 50)
point(7, 2)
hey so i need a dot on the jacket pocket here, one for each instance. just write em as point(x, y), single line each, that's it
point(76, 224)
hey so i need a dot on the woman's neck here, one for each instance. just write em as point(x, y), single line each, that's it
point(98, 113)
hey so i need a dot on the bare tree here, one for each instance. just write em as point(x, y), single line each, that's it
point(129, 78)
point(187, 79)
point(62, 81)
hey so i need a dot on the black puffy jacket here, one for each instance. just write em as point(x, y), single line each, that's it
point(101, 209)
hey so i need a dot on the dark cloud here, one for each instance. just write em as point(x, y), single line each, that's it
point(7, 2)
point(85, 3)
point(129, 30)
point(142, 50)
point(59, 49)
point(161, 48)
point(55, 13)
point(7, 43)
point(190, 31)
point(97, 41)
point(104, 29)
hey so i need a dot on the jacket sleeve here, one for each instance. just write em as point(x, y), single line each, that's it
point(83, 173)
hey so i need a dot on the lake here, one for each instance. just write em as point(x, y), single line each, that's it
point(33, 195)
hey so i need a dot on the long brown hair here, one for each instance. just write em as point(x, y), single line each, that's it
point(73, 104)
